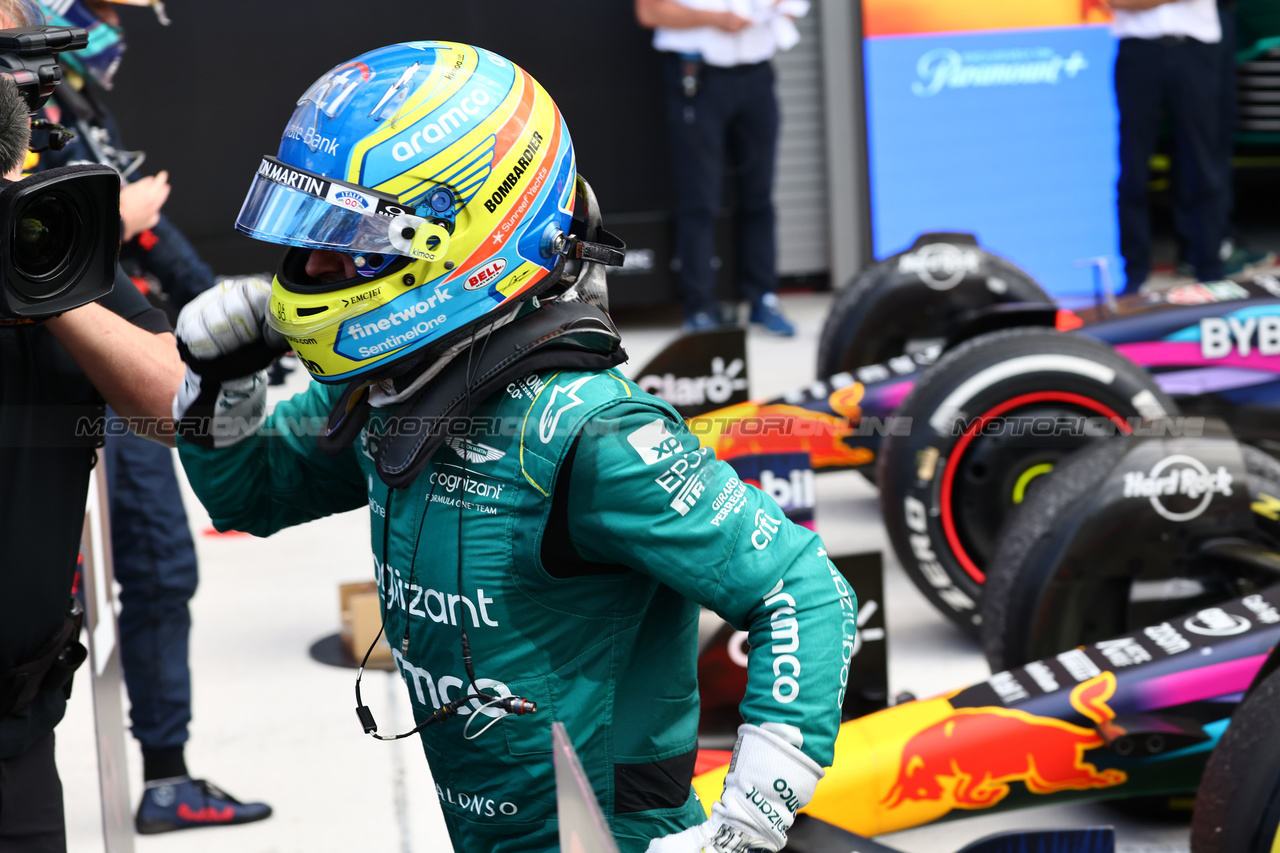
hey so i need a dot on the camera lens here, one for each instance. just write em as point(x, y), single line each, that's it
point(45, 236)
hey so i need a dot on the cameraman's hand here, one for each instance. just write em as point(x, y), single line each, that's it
point(224, 338)
point(136, 372)
point(140, 203)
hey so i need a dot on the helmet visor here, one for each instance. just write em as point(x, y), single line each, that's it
point(296, 208)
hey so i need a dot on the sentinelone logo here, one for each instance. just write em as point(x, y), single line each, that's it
point(944, 68)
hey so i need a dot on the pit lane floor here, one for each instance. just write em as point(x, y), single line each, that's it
point(271, 724)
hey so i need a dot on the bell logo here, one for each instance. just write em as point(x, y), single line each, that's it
point(485, 275)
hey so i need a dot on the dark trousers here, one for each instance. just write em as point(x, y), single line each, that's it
point(165, 253)
point(1228, 117)
point(1182, 77)
point(729, 127)
point(155, 563)
point(31, 819)
point(1227, 120)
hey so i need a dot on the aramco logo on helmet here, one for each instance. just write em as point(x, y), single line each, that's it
point(445, 125)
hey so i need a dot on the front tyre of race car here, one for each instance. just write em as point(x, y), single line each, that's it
point(917, 299)
point(1018, 626)
point(986, 423)
point(1238, 802)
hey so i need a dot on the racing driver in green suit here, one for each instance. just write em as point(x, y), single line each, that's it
point(543, 531)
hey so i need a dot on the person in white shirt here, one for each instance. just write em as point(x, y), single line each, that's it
point(723, 116)
point(1168, 61)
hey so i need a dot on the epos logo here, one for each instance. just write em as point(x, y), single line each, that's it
point(485, 275)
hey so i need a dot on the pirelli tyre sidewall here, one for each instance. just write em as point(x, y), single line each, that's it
point(946, 484)
point(1238, 802)
point(888, 304)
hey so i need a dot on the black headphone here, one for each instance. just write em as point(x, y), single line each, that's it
point(516, 705)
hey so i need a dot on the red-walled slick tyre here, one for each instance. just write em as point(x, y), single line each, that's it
point(987, 421)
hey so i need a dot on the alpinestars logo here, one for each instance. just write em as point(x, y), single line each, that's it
point(698, 390)
point(1184, 492)
point(563, 398)
point(474, 451)
point(941, 265)
point(654, 442)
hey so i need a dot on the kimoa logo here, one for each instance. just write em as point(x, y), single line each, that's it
point(444, 125)
point(1179, 475)
point(941, 265)
point(944, 68)
point(698, 390)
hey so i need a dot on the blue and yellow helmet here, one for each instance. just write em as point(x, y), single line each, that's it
point(445, 171)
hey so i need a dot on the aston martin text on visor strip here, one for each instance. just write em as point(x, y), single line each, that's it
point(338, 193)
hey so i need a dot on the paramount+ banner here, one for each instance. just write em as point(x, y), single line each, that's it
point(996, 118)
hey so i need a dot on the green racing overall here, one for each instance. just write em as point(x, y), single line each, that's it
point(581, 596)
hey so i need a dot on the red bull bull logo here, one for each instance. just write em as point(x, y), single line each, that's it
point(969, 759)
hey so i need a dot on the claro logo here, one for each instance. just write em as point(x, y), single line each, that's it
point(443, 126)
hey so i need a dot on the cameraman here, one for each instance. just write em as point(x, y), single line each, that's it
point(52, 374)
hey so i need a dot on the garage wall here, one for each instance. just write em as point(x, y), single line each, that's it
point(800, 191)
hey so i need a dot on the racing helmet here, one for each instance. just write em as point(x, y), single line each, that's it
point(100, 59)
point(445, 172)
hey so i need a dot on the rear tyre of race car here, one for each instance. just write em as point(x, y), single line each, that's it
point(986, 421)
point(917, 298)
point(1017, 629)
point(1238, 802)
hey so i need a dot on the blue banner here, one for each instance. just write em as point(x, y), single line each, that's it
point(1009, 135)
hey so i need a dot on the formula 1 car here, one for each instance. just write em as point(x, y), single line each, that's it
point(1086, 703)
point(955, 383)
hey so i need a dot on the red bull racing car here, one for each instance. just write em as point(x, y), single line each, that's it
point(1128, 603)
point(1080, 707)
point(955, 383)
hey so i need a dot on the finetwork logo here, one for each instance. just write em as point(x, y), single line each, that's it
point(944, 68)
